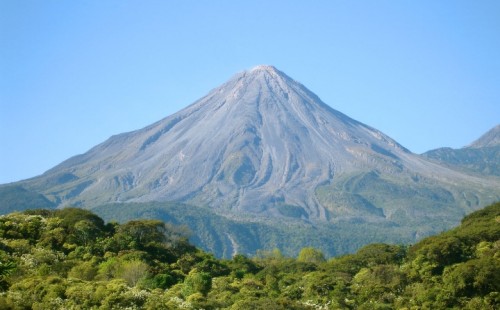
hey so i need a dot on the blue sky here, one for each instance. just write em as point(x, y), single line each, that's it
point(73, 73)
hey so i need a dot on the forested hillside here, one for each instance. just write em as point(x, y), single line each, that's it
point(72, 259)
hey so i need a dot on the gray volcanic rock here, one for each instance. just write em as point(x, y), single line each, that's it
point(264, 144)
point(489, 139)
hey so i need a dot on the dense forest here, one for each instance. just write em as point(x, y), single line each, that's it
point(71, 259)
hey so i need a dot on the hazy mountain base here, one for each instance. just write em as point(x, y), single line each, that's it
point(226, 237)
point(358, 213)
point(17, 198)
point(374, 196)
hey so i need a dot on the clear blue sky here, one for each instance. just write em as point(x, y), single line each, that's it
point(73, 73)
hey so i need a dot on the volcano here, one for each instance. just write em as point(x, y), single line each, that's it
point(263, 146)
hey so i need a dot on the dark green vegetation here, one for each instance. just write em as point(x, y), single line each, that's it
point(71, 259)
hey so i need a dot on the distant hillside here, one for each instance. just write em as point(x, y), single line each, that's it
point(482, 156)
point(17, 198)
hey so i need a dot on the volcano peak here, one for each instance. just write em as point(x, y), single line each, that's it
point(267, 71)
point(267, 68)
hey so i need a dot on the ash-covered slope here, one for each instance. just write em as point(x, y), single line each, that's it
point(263, 144)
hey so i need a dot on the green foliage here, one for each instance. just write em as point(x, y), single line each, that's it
point(240, 265)
point(474, 277)
point(6, 268)
point(69, 259)
point(133, 271)
point(310, 255)
point(197, 282)
point(369, 256)
point(381, 283)
point(85, 271)
point(19, 226)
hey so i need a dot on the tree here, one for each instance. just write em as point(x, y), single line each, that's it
point(476, 277)
point(241, 265)
point(71, 216)
point(143, 232)
point(311, 255)
point(133, 271)
point(86, 231)
point(197, 282)
point(381, 283)
point(6, 268)
point(163, 241)
point(85, 271)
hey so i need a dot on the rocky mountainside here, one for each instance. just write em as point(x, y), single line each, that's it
point(482, 156)
point(489, 139)
point(263, 148)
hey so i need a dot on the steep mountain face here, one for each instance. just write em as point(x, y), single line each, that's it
point(482, 156)
point(262, 147)
point(489, 139)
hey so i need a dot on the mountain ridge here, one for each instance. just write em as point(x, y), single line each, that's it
point(480, 157)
